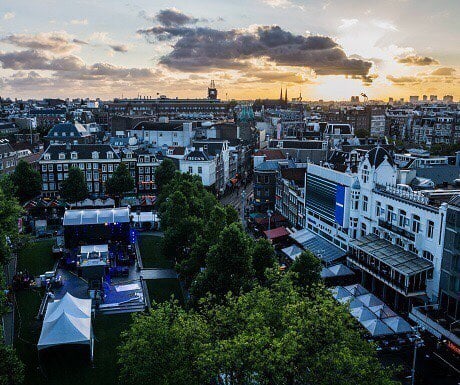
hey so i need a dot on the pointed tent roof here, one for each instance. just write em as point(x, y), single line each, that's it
point(382, 311)
point(67, 321)
point(363, 314)
point(356, 289)
point(370, 300)
point(398, 324)
point(341, 294)
point(377, 328)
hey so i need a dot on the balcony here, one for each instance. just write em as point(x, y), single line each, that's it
point(396, 230)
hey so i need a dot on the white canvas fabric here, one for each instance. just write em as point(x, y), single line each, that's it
point(67, 321)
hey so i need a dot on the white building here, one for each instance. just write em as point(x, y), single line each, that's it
point(168, 133)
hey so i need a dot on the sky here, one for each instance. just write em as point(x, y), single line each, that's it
point(323, 49)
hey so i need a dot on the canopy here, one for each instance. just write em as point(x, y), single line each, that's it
point(96, 216)
point(362, 314)
point(356, 289)
point(67, 321)
point(94, 248)
point(377, 328)
point(340, 293)
point(277, 233)
point(398, 325)
point(292, 252)
point(338, 270)
point(382, 311)
point(370, 300)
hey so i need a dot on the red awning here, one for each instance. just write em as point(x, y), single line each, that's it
point(279, 232)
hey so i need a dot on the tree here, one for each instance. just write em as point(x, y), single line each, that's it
point(228, 265)
point(27, 181)
point(263, 258)
point(11, 368)
point(269, 335)
point(120, 182)
point(164, 173)
point(164, 347)
point(307, 268)
point(74, 189)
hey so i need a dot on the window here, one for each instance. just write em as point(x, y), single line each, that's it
point(44, 167)
point(200, 170)
point(59, 176)
point(66, 167)
point(109, 155)
point(104, 168)
point(47, 157)
point(141, 170)
point(110, 168)
point(190, 169)
point(73, 155)
point(378, 209)
point(430, 229)
point(89, 166)
point(415, 224)
point(59, 167)
point(365, 203)
point(95, 155)
point(104, 178)
point(89, 175)
point(402, 218)
point(390, 214)
point(61, 155)
point(50, 167)
point(365, 174)
point(428, 255)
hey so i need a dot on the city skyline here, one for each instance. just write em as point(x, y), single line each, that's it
point(325, 50)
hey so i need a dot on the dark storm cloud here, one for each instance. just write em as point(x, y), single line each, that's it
point(119, 48)
point(199, 49)
point(415, 60)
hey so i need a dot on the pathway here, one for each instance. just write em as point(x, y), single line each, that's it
point(158, 273)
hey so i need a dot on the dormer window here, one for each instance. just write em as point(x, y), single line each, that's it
point(63, 134)
point(365, 174)
point(55, 133)
point(71, 134)
point(95, 155)
point(73, 155)
point(61, 155)
point(47, 157)
point(109, 155)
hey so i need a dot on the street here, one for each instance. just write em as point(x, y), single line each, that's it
point(235, 198)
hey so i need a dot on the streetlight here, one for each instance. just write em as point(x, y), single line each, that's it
point(243, 201)
point(417, 343)
point(269, 213)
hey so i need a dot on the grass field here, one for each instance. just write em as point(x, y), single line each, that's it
point(161, 290)
point(36, 257)
point(65, 365)
point(151, 251)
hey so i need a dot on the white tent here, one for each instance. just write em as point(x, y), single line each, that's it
point(67, 321)
point(370, 300)
point(362, 314)
point(377, 328)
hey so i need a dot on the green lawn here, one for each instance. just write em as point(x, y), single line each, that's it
point(160, 290)
point(37, 257)
point(150, 247)
point(63, 366)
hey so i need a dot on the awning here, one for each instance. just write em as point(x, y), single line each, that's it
point(277, 233)
point(292, 252)
point(322, 248)
point(377, 328)
point(393, 256)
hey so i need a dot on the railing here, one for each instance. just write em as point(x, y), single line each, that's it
point(396, 229)
point(402, 193)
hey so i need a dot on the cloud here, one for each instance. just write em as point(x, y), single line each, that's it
point(444, 71)
point(170, 17)
point(56, 42)
point(80, 42)
point(383, 24)
point(278, 3)
point(79, 21)
point(38, 60)
point(347, 23)
point(201, 49)
point(415, 60)
point(9, 16)
point(119, 48)
point(402, 80)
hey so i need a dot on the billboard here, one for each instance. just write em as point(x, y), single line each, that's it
point(339, 213)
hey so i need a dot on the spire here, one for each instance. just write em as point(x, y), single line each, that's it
point(281, 94)
point(285, 96)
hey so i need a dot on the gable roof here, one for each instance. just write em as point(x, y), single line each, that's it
point(84, 151)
